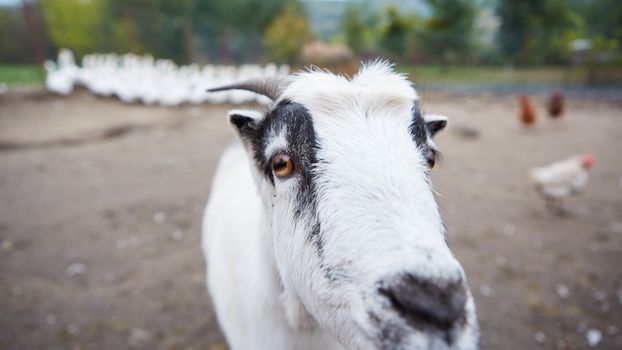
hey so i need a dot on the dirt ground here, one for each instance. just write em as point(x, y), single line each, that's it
point(101, 203)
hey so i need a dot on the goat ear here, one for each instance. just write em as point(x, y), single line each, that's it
point(435, 123)
point(245, 122)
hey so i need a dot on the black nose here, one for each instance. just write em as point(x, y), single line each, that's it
point(428, 304)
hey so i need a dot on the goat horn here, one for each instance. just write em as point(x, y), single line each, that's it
point(271, 87)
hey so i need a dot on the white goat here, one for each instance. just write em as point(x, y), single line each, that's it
point(322, 231)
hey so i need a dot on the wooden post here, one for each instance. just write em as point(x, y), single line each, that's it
point(33, 28)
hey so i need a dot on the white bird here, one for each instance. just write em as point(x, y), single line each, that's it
point(143, 79)
point(57, 80)
point(561, 179)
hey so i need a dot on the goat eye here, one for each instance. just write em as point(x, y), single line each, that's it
point(282, 165)
point(431, 159)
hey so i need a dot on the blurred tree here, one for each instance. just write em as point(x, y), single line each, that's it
point(14, 38)
point(287, 34)
point(354, 28)
point(361, 26)
point(238, 25)
point(603, 20)
point(120, 28)
point(532, 31)
point(512, 35)
point(604, 29)
point(181, 30)
point(74, 24)
point(397, 34)
point(161, 28)
point(447, 35)
point(556, 21)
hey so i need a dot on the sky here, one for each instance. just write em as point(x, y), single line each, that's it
point(9, 2)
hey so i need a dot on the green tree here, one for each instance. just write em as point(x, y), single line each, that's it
point(182, 30)
point(74, 24)
point(603, 17)
point(396, 35)
point(236, 27)
point(287, 34)
point(447, 36)
point(161, 28)
point(514, 26)
point(536, 31)
point(14, 38)
point(556, 21)
point(354, 28)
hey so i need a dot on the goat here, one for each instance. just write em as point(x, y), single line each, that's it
point(322, 231)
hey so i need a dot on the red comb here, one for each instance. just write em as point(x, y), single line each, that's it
point(587, 161)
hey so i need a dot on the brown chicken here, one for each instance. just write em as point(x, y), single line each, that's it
point(555, 104)
point(527, 114)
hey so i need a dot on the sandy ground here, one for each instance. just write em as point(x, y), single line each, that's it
point(101, 203)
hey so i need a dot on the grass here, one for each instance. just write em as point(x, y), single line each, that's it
point(476, 75)
point(21, 75)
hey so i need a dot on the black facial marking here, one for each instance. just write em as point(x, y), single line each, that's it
point(420, 130)
point(243, 123)
point(435, 126)
point(301, 148)
point(315, 235)
point(417, 128)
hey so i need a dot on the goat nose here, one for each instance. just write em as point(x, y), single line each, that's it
point(425, 303)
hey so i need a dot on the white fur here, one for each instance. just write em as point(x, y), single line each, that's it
point(244, 283)
point(378, 220)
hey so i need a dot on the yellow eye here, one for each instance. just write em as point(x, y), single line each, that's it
point(282, 165)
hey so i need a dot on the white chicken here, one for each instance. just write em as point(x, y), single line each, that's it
point(134, 78)
point(561, 179)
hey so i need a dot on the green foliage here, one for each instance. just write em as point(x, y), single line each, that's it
point(14, 37)
point(242, 15)
point(75, 24)
point(397, 34)
point(555, 22)
point(180, 30)
point(361, 27)
point(287, 34)
point(514, 24)
point(537, 31)
point(603, 18)
point(158, 27)
point(447, 36)
point(604, 28)
point(354, 28)
point(235, 27)
point(530, 32)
